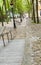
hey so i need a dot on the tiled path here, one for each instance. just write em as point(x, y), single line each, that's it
point(25, 49)
point(12, 54)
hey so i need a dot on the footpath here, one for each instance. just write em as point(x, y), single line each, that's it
point(25, 49)
point(32, 50)
point(13, 52)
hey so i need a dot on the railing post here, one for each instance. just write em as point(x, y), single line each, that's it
point(3, 40)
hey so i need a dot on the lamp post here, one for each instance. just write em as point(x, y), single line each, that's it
point(13, 15)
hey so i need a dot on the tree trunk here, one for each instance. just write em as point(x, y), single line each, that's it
point(33, 17)
point(29, 14)
point(37, 11)
point(8, 4)
point(4, 3)
point(21, 17)
point(2, 23)
point(13, 19)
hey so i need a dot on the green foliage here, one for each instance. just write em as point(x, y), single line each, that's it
point(28, 6)
point(8, 4)
point(3, 10)
point(1, 2)
point(1, 15)
point(19, 6)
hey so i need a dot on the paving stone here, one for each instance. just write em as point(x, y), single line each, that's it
point(13, 53)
